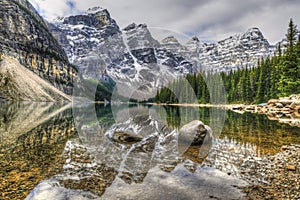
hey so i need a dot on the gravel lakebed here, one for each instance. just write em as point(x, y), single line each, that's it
point(274, 176)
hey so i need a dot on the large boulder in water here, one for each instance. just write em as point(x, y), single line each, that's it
point(195, 132)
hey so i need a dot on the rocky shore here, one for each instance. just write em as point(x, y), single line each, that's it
point(285, 109)
point(275, 177)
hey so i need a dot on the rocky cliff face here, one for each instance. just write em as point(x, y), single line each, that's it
point(145, 65)
point(24, 35)
point(20, 84)
point(132, 57)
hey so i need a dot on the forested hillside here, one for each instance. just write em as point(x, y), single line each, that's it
point(272, 78)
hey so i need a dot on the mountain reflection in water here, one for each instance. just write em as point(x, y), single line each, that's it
point(33, 136)
point(42, 152)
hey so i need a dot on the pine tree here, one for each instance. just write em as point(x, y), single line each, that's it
point(298, 47)
point(289, 82)
point(279, 50)
point(157, 96)
point(291, 37)
point(260, 89)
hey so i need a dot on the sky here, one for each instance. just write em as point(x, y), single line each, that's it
point(209, 20)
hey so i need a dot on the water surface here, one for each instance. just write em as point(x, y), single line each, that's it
point(51, 151)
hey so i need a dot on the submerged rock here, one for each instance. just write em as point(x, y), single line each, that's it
point(126, 138)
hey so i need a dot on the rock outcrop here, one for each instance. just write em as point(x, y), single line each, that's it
point(25, 36)
point(285, 109)
point(90, 40)
point(125, 138)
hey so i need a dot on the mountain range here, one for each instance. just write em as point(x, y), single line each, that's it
point(95, 44)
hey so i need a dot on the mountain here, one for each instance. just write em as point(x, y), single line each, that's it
point(238, 51)
point(138, 63)
point(131, 57)
point(84, 39)
point(26, 41)
point(145, 66)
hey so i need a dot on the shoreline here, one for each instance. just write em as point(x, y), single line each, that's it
point(284, 110)
point(225, 106)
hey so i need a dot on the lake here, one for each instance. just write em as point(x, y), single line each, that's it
point(60, 151)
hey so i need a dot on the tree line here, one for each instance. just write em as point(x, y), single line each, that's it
point(273, 77)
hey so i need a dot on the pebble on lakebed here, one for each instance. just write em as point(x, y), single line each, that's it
point(279, 176)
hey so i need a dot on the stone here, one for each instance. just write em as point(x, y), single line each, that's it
point(285, 101)
point(279, 105)
point(295, 97)
point(285, 110)
point(195, 132)
point(291, 168)
point(272, 101)
point(284, 148)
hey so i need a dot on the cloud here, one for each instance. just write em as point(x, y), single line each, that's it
point(210, 20)
point(71, 4)
point(49, 9)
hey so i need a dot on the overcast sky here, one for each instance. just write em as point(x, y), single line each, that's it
point(210, 20)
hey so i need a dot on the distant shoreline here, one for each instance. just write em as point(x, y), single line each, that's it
point(226, 106)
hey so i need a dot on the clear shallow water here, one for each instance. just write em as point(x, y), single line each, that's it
point(44, 154)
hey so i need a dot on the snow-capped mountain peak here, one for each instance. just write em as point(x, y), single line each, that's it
point(134, 58)
point(139, 37)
